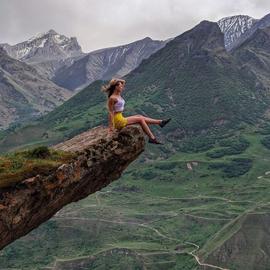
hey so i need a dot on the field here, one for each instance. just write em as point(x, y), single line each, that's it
point(165, 214)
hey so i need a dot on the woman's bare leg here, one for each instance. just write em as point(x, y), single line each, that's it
point(140, 120)
point(149, 120)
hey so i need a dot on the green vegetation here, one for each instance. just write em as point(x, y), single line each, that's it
point(266, 141)
point(156, 214)
point(20, 165)
point(231, 146)
point(236, 167)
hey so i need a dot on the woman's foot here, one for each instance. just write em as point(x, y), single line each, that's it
point(154, 141)
point(164, 122)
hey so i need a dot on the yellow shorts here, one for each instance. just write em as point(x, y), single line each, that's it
point(119, 121)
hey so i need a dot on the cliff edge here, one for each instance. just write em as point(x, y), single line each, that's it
point(100, 159)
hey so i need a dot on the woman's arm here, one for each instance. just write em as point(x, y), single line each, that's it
point(110, 108)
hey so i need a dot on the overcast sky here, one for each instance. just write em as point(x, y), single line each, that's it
point(106, 23)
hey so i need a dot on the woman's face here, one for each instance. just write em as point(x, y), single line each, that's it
point(120, 86)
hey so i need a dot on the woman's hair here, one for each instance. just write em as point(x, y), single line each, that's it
point(109, 88)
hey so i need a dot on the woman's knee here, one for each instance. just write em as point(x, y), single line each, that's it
point(142, 120)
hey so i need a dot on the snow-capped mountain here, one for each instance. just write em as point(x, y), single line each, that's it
point(237, 29)
point(106, 63)
point(43, 47)
point(234, 27)
point(47, 52)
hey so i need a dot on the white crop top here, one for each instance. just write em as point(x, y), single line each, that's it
point(119, 105)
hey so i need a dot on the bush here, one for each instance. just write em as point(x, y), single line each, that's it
point(237, 167)
point(217, 153)
point(264, 129)
point(145, 174)
point(266, 142)
point(197, 144)
point(149, 174)
point(39, 152)
point(166, 165)
point(231, 147)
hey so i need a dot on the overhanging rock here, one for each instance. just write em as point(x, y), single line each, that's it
point(101, 159)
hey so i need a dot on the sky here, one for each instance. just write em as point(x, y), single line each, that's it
point(107, 23)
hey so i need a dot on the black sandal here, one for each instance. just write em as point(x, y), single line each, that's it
point(164, 122)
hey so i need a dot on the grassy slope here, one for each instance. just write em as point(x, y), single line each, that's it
point(155, 215)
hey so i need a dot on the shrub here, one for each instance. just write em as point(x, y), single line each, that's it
point(39, 152)
point(149, 174)
point(236, 167)
point(166, 165)
point(231, 147)
point(266, 141)
point(197, 144)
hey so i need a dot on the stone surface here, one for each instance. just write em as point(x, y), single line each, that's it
point(101, 159)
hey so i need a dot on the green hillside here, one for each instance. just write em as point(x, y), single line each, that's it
point(160, 215)
point(192, 79)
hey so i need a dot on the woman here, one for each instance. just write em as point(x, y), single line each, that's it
point(115, 105)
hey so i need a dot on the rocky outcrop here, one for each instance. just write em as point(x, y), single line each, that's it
point(101, 159)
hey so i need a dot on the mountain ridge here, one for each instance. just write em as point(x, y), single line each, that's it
point(104, 63)
point(22, 87)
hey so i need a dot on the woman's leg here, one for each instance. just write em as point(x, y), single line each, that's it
point(149, 120)
point(139, 119)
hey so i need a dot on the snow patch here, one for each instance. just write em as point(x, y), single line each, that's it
point(41, 45)
point(234, 27)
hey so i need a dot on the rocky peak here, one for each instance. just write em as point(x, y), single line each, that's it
point(237, 29)
point(43, 47)
point(100, 159)
point(52, 32)
point(205, 38)
point(234, 27)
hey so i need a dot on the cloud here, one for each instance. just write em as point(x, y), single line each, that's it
point(107, 23)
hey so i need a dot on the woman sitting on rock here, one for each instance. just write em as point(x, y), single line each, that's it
point(115, 105)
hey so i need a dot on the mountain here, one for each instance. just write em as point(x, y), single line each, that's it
point(253, 56)
point(248, 26)
point(192, 78)
point(47, 51)
point(234, 27)
point(25, 93)
point(106, 63)
point(61, 59)
point(43, 47)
